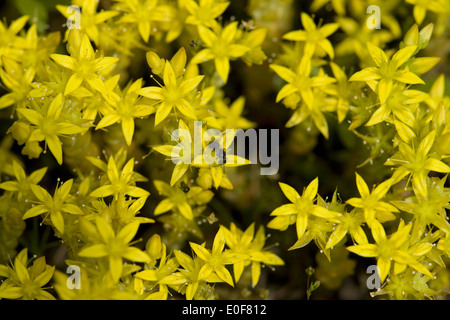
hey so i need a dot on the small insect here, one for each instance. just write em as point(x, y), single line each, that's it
point(184, 187)
point(193, 43)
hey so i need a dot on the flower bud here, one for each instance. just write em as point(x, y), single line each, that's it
point(204, 179)
point(425, 36)
point(154, 247)
point(32, 149)
point(439, 116)
point(443, 143)
point(20, 131)
point(155, 62)
point(178, 62)
point(411, 36)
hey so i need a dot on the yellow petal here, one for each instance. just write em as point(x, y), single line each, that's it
point(285, 209)
point(378, 55)
point(301, 224)
point(94, 251)
point(311, 190)
point(73, 84)
point(128, 129)
point(289, 192)
point(164, 206)
point(203, 56)
point(162, 112)
point(224, 274)
point(436, 165)
point(179, 170)
point(191, 290)
point(384, 89)
point(308, 23)
point(115, 267)
point(222, 67)
point(364, 250)
point(208, 36)
point(363, 189)
point(34, 211)
point(365, 75)
point(384, 266)
point(256, 272)
point(151, 92)
point(54, 144)
point(419, 13)
point(402, 55)
point(136, 255)
point(144, 30)
point(86, 50)
point(186, 210)
point(65, 61)
point(105, 62)
point(217, 175)
point(336, 237)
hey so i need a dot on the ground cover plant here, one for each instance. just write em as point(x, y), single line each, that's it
point(211, 149)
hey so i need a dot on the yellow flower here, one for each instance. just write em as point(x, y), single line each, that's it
point(216, 259)
point(371, 202)
point(125, 109)
point(399, 104)
point(341, 90)
point(54, 206)
point(349, 222)
point(437, 95)
point(191, 273)
point(417, 163)
point(49, 126)
point(444, 244)
point(144, 13)
point(428, 210)
point(247, 243)
point(300, 81)
point(26, 283)
point(84, 64)
point(160, 276)
point(409, 285)
point(422, 6)
point(208, 159)
point(18, 81)
point(175, 93)
point(92, 286)
point(180, 200)
point(302, 206)
point(220, 46)
point(230, 117)
point(388, 249)
point(10, 41)
point(315, 38)
point(89, 18)
point(126, 210)
point(388, 70)
point(115, 246)
point(357, 35)
point(205, 12)
point(23, 183)
point(120, 183)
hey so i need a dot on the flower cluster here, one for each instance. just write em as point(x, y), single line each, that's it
point(95, 160)
point(67, 102)
point(413, 196)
